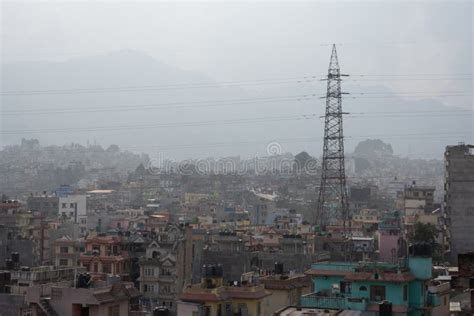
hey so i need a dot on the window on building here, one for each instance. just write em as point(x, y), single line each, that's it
point(114, 310)
point(405, 292)
point(96, 248)
point(96, 267)
point(346, 287)
point(63, 205)
point(228, 309)
point(377, 293)
point(71, 205)
point(243, 310)
point(149, 271)
point(107, 268)
point(64, 250)
point(63, 262)
point(27, 312)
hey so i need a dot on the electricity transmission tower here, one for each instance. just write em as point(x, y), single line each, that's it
point(332, 205)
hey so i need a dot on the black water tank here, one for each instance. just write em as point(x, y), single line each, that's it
point(83, 280)
point(219, 270)
point(5, 276)
point(9, 264)
point(208, 270)
point(15, 257)
point(161, 311)
point(278, 269)
point(421, 249)
point(385, 308)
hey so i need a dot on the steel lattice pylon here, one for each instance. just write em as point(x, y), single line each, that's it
point(332, 201)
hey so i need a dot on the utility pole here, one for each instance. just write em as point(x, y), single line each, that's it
point(332, 201)
point(75, 213)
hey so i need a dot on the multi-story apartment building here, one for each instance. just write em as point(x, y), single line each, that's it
point(459, 199)
point(22, 279)
point(104, 255)
point(166, 267)
point(376, 288)
point(212, 297)
point(416, 200)
point(118, 299)
point(46, 204)
point(74, 208)
point(286, 289)
point(66, 252)
point(158, 277)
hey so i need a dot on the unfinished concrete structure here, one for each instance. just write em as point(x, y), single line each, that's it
point(459, 199)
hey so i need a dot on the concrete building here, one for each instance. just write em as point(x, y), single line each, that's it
point(46, 204)
point(416, 200)
point(23, 279)
point(73, 207)
point(286, 289)
point(212, 297)
point(166, 268)
point(389, 238)
point(117, 299)
point(14, 304)
point(66, 251)
point(459, 199)
point(375, 288)
point(104, 255)
point(158, 277)
point(11, 242)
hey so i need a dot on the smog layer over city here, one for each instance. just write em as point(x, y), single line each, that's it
point(236, 158)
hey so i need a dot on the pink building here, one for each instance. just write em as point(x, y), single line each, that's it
point(105, 255)
point(389, 239)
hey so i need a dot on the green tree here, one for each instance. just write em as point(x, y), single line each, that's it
point(424, 233)
point(427, 233)
point(304, 163)
point(370, 147)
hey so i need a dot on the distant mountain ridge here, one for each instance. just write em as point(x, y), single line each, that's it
point(423, 133)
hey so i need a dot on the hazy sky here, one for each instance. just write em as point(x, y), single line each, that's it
point(247, 40)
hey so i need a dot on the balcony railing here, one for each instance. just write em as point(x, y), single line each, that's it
point(326, 302)
point(166, 278)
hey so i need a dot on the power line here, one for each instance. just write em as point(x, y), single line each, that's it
point(356, 115)
point(256, 82)
point(169, 105)
point(219, 103)
point(295, 80)
point(181, 124)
